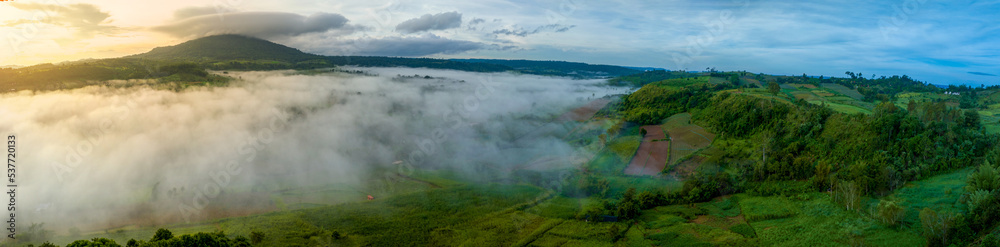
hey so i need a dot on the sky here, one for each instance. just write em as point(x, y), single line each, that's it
point(941, 42)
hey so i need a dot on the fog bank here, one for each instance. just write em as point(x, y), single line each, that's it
point(89, 155)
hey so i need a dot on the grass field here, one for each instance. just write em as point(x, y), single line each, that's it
point(841, 89)
point(849, 109)
point(415, 219)
point(941, 193)
point(704, 224)
point(837, 97)
point(819, 222)
point(683, 82)
point(686, 138)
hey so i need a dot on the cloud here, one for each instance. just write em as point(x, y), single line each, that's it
point(189, 12)
point(520, 32)
point(108, 155)
point(427, 22)
point(256, 24)
point(87, 19)
point(476, 21)
point(423, 45)
point(981, 73)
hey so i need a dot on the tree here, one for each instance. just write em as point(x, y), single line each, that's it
point(971, 119)
point(258, 237)
point(986, 177)
point(935, 226)
point(848, 195)
point(642, 131)
point(628, 206)
point(773, 88)
point(96, 242)
point(162, 234)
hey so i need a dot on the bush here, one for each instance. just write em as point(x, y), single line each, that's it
point(745, 230)
point(774, 188)
point(991, 240)
point(766, 208)
point(890, 213)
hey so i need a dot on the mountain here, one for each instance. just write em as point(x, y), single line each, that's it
point(228, 47)
point(237, 52)
point(187, 62)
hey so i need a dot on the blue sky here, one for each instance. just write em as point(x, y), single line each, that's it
point(942, 42)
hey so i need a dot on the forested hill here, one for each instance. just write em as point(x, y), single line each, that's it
point(559, 68)
point(228, 47)
point(187, 62)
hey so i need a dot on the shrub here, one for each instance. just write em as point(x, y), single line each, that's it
point(773, 188)
point(745, 230)
point(766, 208)
point(991, 240)
point(890, 213)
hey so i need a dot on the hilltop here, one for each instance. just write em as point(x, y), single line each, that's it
point(227, 47)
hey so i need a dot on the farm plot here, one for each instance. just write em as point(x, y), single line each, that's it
point(657, 150)
point(686, 138)
point(652, 154)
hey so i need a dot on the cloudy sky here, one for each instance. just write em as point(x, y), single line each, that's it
point(943, 42)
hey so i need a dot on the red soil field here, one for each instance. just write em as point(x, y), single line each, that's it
point(651, 156)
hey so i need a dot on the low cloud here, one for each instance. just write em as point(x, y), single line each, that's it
point(115, 156)
point(256, 24)
point(423, 45)
point(981, 73)
point(429, 22)
point(520, 32)
point(189, 12)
